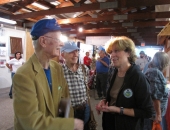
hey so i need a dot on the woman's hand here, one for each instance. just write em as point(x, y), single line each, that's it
point(9, 66)
point(99, 105)
point(106, 108)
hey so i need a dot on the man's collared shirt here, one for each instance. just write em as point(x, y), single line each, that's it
point(76, 84)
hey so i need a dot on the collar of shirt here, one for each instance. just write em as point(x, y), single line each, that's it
point(67, 69)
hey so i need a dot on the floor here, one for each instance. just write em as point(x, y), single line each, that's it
point(6, 110)
point(7, 113)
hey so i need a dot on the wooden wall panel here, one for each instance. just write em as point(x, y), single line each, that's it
point(29, 45)
point(16, 45)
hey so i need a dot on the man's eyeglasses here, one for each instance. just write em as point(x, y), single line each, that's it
point(56, 39)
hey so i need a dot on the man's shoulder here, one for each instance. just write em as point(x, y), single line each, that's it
point(26, 68)
point(106, 57)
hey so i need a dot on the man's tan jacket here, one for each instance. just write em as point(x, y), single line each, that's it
point(35, 106)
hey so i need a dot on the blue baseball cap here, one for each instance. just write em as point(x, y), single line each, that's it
point(100, 48)
point(69, 46)
point(44, 26)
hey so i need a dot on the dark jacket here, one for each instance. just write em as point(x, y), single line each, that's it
point(134, 93)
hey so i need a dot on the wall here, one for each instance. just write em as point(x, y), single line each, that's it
point(97, 40)
point(83, 49)
point(5, 74)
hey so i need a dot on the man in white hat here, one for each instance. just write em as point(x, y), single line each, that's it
point(76, 76)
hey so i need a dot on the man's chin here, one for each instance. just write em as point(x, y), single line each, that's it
point(74, 62)
point(55, 55)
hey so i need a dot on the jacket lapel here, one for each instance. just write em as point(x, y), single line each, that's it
point(43, 84)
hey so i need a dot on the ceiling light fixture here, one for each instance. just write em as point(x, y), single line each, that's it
point(80, 29)
point(63, 38)
point(7, 21)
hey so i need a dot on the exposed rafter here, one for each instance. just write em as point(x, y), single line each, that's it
point(83, 7)
point(7, 1)
point(140, 20)
point(135, 16)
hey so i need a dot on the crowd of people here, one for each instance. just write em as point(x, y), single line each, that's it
point(132, 91)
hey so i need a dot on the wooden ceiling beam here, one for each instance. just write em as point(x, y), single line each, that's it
point(21, 6)
point(106, 34)
point(136, 16)
point(138, 3)
point(83, 7)
point(65, 4)
point(122, 31)
point(73, 2)
point(94, 1)
point(23, 3)
point(7, 1)
point(82, 1)
point(131, 24)
point(45, 3)
point(5, 11)
point(85, 19)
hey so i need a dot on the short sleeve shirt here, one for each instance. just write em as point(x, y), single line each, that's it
point(158, 87)
point(15, 64)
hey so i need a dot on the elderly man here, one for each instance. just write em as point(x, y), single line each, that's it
point(75, 75)
point(102, 67)
point(39, 84)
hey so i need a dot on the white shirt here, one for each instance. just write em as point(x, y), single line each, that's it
point(141, 62)
point(15, 64)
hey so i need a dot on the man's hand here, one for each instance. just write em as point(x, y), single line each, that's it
point(78, 124)
point(158, 118)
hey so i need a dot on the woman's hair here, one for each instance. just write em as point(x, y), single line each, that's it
point(123, 43)
point(160, 61)
point(17, 53)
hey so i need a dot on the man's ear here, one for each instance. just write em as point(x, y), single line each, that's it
point(62, 54)
point(42, 41)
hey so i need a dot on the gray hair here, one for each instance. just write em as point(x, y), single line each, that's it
point(35, 43)
point(160, 61)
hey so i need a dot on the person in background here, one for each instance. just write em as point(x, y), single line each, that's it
point(102, 67)
point(13, 65)
point(141, 61)
point(76, 76)
point(159, 91)
point(93, 62)
point(39, 84)
point(128, 99)
point(87, 60)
